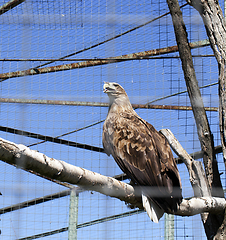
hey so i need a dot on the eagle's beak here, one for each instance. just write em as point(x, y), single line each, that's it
point(105, 87)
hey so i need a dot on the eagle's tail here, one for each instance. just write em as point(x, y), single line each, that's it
point(152, 209)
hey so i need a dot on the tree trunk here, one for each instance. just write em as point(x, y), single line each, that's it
point(214, 22)
point(212, 223)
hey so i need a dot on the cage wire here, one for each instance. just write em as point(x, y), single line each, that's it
point(49, 90)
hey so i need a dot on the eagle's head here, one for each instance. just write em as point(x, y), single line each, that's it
point(119, 100)
point(113, 89)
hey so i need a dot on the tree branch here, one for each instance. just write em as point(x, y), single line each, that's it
point(203, 129)
point(27, 159)
point(196, 172)
point(214, 22)
point(214, 224)
point(200, 205)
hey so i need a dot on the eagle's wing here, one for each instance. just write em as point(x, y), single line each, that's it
point(167, 160)
point(143, 154)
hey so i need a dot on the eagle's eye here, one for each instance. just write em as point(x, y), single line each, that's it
point(115, 85)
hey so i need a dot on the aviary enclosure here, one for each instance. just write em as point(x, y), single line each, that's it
point(54, 58)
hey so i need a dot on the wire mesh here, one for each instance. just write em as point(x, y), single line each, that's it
point(56, 50)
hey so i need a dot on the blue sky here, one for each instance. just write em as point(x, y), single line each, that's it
point(53, 29)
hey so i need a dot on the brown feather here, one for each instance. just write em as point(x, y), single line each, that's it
point(141, 151)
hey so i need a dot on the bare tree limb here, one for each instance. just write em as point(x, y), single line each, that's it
point(214, 224)
point(203, 129)
point(200, 205)
point(25, 158)
point(214, 22)
point(195, 169)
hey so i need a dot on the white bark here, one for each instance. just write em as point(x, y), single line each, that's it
point(196, 172)
point(25, 158)
point(200, 205)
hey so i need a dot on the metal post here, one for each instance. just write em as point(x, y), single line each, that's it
point(169, 226)
point(73, 215)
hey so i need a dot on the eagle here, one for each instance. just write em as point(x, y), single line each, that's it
point(142, 153)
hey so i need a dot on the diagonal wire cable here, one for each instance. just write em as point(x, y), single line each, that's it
point(65, 134)
point(51, 139)
point(178, 93)
point(32, 202)
point(110, 39)
point(86, 224)
point(74, 144)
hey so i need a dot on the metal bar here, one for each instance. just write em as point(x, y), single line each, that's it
point(171, 107)
point(155, 100)
point(64, 67)
point(98, 104)
point(34, 202)
point(51, 139)
point(10, 5)
point(45, 234)
point(68, 60)
point(199, 154)
point(53, 102)
point(50, 197)
point(106, 219)
point(87, 224)
point(67, 133)
point(73, 215)
point(89, 59)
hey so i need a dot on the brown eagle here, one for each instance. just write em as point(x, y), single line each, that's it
point(142, 153)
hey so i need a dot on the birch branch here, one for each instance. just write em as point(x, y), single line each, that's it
point(27, 159)
point(195, 206)
point(196, 172)
point(200, 186)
